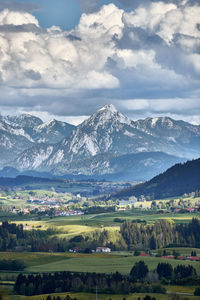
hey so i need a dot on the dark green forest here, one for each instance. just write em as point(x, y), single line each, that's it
point(177, 180)
point(163, 233)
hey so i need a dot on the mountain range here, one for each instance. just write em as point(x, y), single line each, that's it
point(107, 144)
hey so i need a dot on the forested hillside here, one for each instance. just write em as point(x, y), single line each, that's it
point(177, 180)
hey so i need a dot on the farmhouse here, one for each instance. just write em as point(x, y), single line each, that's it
point(75, 250)
point(168, 256)
point(193, 258)
point(103, 249)
point(144, 254)
point(27, 227)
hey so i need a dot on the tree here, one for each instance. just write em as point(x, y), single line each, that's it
point(152, 243)
point(193, 253)
point(139, 271)
point(137, 253)
point(164, 270)
point(197, 292)
point(182, 271)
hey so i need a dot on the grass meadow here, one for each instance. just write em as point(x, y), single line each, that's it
point(85, 296)
point(96, 262)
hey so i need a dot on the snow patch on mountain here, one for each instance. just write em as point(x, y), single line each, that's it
point(128, 133)
point(20, 131)
point(36, 159)
point(6, 142)
point(171, 139)
point(154, 121)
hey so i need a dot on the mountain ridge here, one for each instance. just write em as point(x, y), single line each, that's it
point(57, 146)
point(179, 179)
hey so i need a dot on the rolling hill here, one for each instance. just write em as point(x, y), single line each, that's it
point(177, 180)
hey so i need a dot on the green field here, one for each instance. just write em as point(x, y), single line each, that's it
point(68, 227)
point(107, 219)
point(86, 296)
point(107, 264)
point(97, 262)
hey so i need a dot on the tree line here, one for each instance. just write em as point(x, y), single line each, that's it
point(147, 297)
point(139, 280)
point(82, 282)
point(161, 234)
point(12, 265)
point(14, 237)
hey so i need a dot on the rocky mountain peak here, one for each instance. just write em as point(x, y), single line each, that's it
point(104, 116)
point(23, 120)
point(109, 107)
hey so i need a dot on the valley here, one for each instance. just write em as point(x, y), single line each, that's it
point(91, 206)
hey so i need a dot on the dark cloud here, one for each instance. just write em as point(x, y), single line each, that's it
point(21, 28)
point(89, 6)
point(131, 4)
point(18, 6)
point(142, 39)
point(33, 75)
point(72, 37)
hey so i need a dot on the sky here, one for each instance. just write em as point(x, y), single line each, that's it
point(65, 59)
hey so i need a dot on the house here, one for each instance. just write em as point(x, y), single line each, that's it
point(168, 257)
point(144, 254)
point(75, 250)
point(180, 257)
point(191, 209)
point(27, 227)
point(103, 249)
point(193, 258)
point(121, 208)
point(15, 210)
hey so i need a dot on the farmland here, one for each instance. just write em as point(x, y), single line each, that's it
point(88, 226)
point(87, 296)
point(97, 262)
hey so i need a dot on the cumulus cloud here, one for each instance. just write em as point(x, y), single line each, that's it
point(111, 56)
point(56, 59)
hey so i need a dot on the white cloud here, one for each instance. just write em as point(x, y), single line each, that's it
point(17, 18)
point(152, 51)
point(166, 20)
point(178, 106)
point(57, 61)
point(148, 17)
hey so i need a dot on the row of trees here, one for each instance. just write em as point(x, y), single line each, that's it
point(69, 298)
point(140, 271)
point(12, 265)
point(138, 280)
point(82, 282)
point(13, 236)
